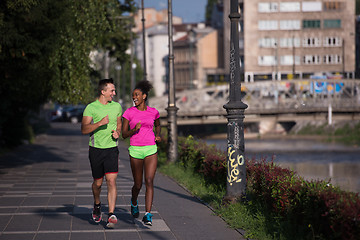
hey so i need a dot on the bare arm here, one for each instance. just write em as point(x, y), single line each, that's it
point(126, 132)
point(88, 127)
point(157, 130)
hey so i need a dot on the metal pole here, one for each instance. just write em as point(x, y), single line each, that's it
point(343, 58)
point(171, 109)
point(191, 64)
point(293, 52)
point(143, 35)
point(236, 174)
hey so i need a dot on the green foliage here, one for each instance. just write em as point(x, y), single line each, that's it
point(44, 54)
point(209, 8)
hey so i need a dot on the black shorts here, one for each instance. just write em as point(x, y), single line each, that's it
point(103, 161)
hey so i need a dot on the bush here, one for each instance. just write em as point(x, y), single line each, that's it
point(319, 209)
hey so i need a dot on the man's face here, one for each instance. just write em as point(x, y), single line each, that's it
point(109, 92)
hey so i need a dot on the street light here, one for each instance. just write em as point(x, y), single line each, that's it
point(236, 168)
point(143, 36)
point(192, 39)
point(171, 109)
point(118, 68)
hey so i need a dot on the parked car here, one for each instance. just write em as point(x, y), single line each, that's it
point(73, 114)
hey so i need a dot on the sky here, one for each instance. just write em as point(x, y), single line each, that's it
point(188, 10)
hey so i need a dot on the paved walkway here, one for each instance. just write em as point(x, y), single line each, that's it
point(45, 194)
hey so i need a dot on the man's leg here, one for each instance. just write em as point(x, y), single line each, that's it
point(96, 189)
point(112, 192)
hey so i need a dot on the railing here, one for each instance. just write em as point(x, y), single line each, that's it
point(269, 97)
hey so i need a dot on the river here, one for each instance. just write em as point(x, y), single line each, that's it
point(311, 159)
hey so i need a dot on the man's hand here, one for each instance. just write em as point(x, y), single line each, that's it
point(104, 121)
point(115, 134)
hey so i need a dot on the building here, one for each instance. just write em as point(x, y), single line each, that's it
point(196, 56)
point(156, 45)
point(153, 17)
point(286, 39)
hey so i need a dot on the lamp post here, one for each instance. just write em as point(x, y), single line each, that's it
point(236, 168)
point(118, 68)
point(143, 36)
point(192, 39)
point(171, 109)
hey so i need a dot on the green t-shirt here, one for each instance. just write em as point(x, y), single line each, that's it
point(102, 137)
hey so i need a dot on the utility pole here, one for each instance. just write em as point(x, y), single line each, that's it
point(171, 109)
point(235, 108)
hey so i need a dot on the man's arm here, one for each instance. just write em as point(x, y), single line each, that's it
point(88, 127)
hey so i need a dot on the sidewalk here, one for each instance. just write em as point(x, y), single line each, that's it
point(45, 194)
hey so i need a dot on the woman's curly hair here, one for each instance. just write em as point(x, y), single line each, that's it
point(144, 86)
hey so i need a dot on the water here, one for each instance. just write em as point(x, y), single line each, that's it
point(311, 159)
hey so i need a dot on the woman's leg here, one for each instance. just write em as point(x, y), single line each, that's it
point(137, 172)
point(150, 164)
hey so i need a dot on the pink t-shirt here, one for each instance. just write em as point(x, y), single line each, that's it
point(145, 135)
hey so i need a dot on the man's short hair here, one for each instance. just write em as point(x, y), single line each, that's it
point(103, 84)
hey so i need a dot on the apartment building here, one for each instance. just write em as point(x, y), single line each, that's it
point(196, 56)
point(291, 39)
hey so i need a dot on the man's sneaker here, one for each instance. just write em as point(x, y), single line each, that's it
point(96, 213)
point(135, 210)
point(112, 220)
point(147, 219)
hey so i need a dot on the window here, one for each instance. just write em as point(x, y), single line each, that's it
point(332, 59)
point(311, 23)
point(268, 25)
point(289, 60)
point(268, 7)
point(332, 23)
point(333, 6)
point(311, 42)
point(311, 7)
point(267, 42)
point(332, 42)
point(290, 7)
point(311, 59)
point(290, 25)
point(266, 60)
point(288, 42)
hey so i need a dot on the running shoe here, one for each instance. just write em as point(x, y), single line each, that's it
point(96, 213)
point(147, 219)
point(135, 210)
point(112, 220)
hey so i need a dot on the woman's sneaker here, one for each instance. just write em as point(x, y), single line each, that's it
point(147, 219)
point(135, 210)
point(96, 213)
point(112, 220)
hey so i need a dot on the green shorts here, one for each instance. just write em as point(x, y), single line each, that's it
point(141, 152)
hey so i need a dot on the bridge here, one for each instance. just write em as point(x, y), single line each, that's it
point(280, 101)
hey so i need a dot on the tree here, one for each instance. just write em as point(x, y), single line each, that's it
point(44, 54)
point(209, 9)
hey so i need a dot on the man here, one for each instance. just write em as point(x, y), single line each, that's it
point(102, 120)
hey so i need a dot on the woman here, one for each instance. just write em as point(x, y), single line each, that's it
point(138, 124)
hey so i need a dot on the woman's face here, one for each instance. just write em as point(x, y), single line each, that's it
point(138, 97)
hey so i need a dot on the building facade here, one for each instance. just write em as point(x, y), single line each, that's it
point(290, 39)
point(196, 56)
